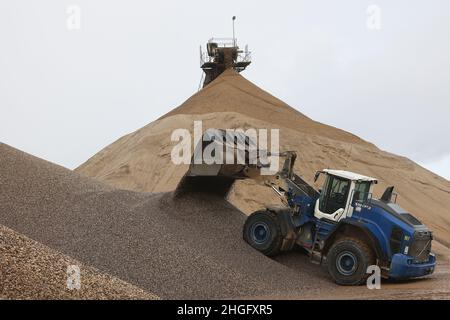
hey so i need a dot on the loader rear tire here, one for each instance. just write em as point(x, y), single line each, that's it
point(348, 259)
point(263, 232)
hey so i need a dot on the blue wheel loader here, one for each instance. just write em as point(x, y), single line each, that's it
point(340, 223)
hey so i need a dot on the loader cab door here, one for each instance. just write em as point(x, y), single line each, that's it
point(333, 199)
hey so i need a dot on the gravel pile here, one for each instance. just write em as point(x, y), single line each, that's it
point(30, 270)
point(189, 246)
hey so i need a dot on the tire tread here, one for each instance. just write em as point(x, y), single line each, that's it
point(275, 247)
point(366, 251)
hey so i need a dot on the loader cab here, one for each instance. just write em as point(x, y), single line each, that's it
point(340, 191)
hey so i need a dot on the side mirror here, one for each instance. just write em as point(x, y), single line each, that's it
point(316, 176)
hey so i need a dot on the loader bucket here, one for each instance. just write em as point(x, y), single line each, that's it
point(220, 158)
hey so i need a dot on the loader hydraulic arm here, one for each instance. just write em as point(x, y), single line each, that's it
point(288, 184)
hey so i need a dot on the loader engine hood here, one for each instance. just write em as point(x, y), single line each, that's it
point(399, 213)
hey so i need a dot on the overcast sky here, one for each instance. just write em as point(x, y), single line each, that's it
point(65, 93)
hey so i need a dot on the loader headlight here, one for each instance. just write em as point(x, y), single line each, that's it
point(405, 252)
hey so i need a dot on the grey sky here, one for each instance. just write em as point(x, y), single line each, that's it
point(66, 94)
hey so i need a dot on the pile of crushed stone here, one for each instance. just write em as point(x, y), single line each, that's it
point(189, 246)
point(30, 270)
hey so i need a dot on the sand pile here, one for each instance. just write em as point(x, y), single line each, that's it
point(231, 92)
point(141, 161)
point(190, 247)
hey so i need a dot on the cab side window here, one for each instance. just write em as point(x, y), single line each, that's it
point(361, 192)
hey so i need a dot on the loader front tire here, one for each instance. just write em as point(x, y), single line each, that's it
point(348, 259)
point(263, 232)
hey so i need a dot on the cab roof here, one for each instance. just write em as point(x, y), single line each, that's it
point(349, 175)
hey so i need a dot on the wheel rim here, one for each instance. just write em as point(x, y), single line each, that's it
point(260, 232)
point(346, 263)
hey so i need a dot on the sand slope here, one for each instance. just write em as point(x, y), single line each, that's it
point(231, 92)
point(140, 161)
